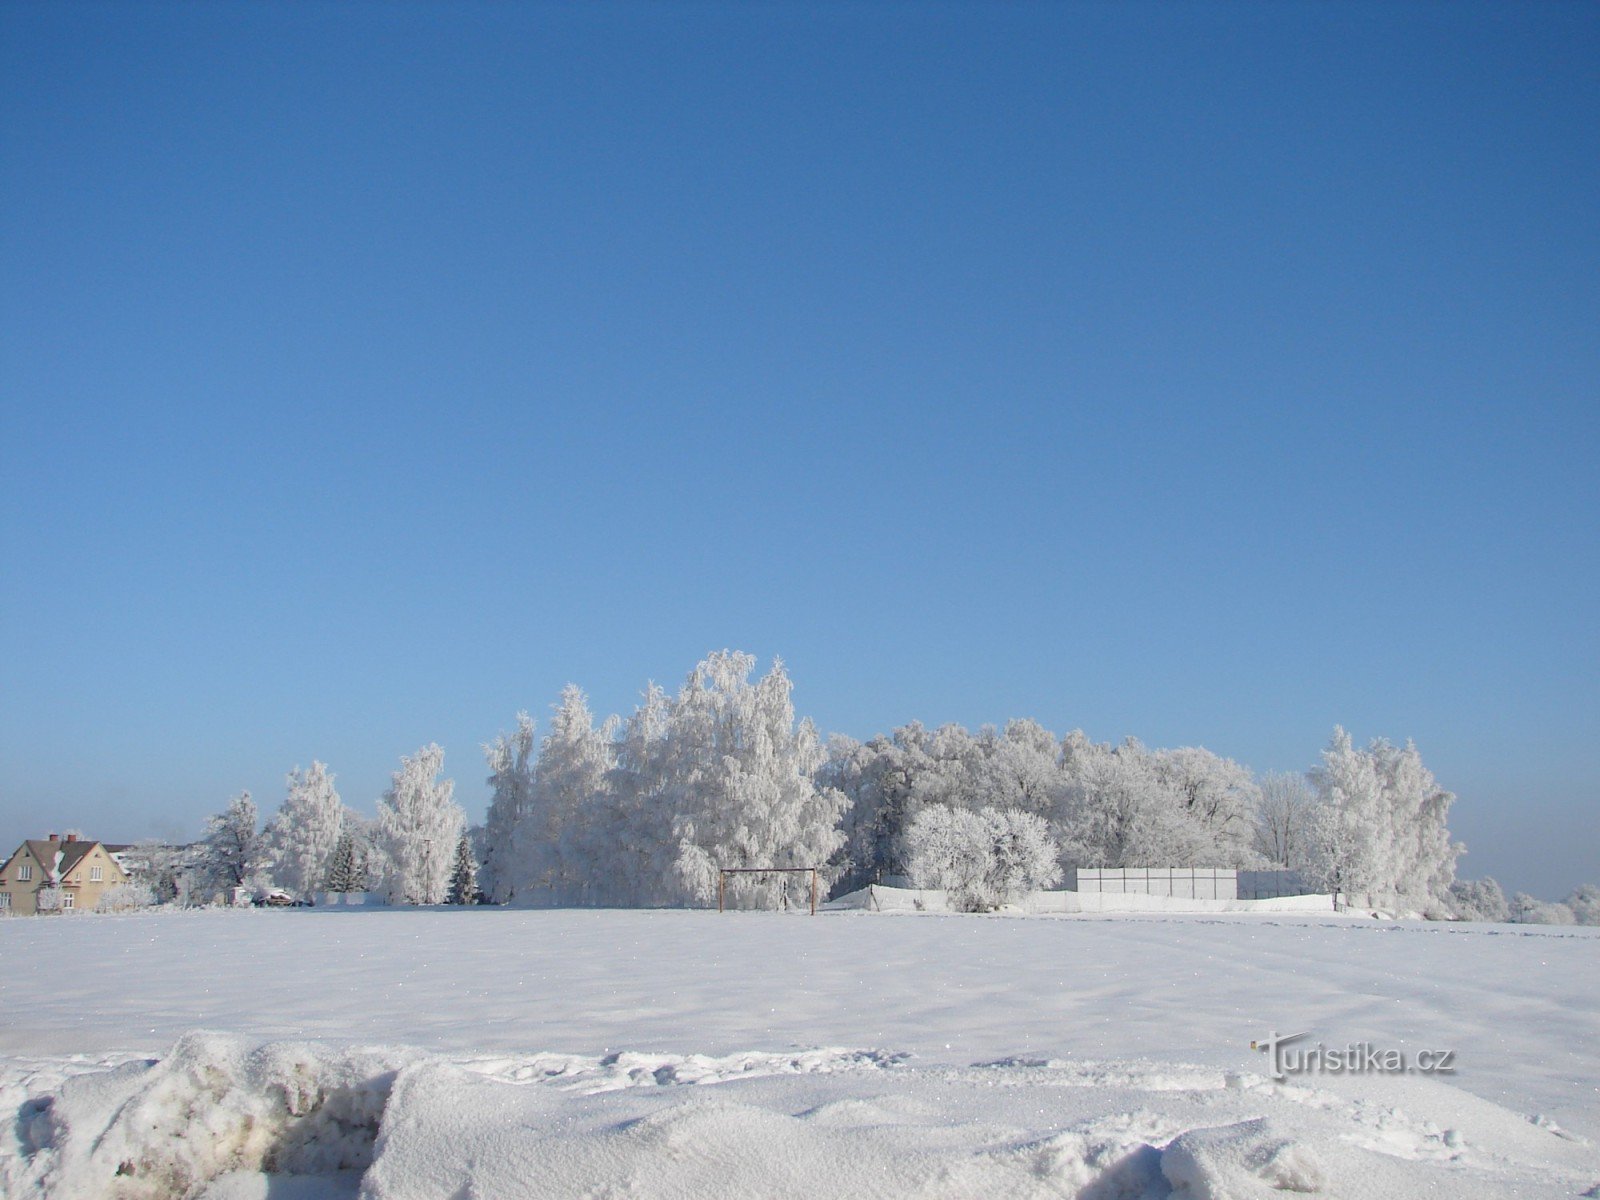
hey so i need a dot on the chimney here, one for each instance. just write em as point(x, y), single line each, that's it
point(55, 837)
point(72, 837)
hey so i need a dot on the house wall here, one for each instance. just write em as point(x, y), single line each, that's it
point(85, 889)
point(19, 900)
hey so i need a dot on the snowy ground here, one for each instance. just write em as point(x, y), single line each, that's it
point(496, 1053)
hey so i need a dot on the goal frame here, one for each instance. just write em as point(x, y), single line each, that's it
point(724, 872)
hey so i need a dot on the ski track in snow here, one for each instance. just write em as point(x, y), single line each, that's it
point(404, 1055)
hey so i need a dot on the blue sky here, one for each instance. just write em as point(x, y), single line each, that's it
point(1213, 374)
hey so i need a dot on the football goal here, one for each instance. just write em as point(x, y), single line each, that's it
point(724, 872)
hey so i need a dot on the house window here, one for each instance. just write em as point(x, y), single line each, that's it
point(97, 874)
point(5, 899)
point(66, 899)
point(24, 872)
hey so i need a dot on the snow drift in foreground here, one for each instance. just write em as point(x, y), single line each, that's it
point(222, 1118)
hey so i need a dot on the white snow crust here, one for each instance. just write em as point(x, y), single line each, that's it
point(421, 1055)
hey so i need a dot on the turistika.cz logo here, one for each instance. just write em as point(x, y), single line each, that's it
point(1357, 1058)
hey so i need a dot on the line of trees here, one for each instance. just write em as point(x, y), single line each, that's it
point(643, 811)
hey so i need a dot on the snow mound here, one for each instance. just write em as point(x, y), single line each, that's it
point(220, 1118)
point(1239, 1161)
point(213, 1107)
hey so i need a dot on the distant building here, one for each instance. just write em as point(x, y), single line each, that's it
point(73, 874)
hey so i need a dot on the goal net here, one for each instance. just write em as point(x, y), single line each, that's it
point(789, 889)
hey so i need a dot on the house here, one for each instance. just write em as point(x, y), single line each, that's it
point(73, 874)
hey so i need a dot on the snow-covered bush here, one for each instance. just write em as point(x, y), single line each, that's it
point(983, 859)
point(948, 849)
point(122, 897)
point(1024, 858)
point(1479, 900)
point(1525, 910)
point(1585, 904)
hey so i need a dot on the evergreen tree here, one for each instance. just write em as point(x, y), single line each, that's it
point(464, 875)
point(346, 873)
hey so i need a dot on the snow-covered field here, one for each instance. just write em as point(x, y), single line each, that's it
point(498, 1053)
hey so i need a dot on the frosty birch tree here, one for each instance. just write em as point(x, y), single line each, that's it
point(741, 783)
point(510, 758)
point(418, 827)
point(555, 842)
point(1378, 826)
point(638, 811)
point(300, 840)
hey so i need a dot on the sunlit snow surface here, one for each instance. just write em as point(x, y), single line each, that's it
point(495, 1053)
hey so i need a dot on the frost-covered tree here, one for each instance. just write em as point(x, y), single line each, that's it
point(890, 780)
point(1015, 768)
point(559, 842)
point(1378, 826)
point(1585, 904)
point(164, 869)
point(635, 819)
point(1215, 797)
point(1282, 811)
point(980, 859)
point(463, 875)
point(299, 841)
point(1117, 811)
point(739, 778)
point(229, 856)
point(1479, 900)
point(510, 757)
point(1525, 910)
point(948, 849)
point(1023, 857)
point(419, 825)
point(875, 778)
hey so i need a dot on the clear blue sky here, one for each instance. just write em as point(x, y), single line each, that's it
point(1208, 373)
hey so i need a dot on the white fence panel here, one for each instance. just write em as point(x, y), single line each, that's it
point(1186, 883)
